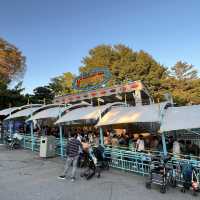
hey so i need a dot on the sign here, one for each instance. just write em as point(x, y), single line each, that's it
point(108, 91)
point(96, 78)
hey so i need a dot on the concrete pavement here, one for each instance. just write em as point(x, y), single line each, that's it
point(25, 176)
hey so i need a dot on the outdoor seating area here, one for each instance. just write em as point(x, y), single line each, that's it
point(130, 135)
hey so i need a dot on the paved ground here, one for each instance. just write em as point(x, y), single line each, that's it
point(24, 176)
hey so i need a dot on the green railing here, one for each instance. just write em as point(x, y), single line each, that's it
point(119, 157)
point(27, 144)
point(128, 160)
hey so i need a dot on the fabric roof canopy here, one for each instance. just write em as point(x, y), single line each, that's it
point(23, 113)
point(184, 117)
point(8, 111)
point(84, 113)
point(126, 115)
point(47, 113)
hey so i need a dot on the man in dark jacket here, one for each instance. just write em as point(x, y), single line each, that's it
point(72, 150)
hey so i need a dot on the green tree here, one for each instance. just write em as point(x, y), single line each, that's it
point(41, 94)
point(62, 84)
point(184, 71)
point(183, 83)
point(13, 97)
point(126, 65)
point(12, 62)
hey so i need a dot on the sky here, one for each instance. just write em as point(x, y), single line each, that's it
point(55, 35)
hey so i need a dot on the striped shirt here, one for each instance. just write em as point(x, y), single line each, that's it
point(73, 146)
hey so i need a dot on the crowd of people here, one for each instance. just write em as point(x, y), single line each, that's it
point(182, 147)
point(138, 142)
point(132, 141)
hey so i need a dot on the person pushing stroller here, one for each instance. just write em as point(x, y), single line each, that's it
point(72, 151)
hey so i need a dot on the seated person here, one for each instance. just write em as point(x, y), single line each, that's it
point(85, 145)
point(140, 143)
point(176, 147)
point(114, 141)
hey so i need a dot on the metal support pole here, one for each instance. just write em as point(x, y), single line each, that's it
point(61, 141)
point(32, 137)
point(101, 136)
point(164, 145)
point(138, 98)
point(10, 128)
point(14, 127)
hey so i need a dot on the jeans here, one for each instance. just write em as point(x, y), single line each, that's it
point(69, 161)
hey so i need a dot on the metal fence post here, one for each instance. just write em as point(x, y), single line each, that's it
point(164, 144)
point(32, 137)
point(61, 141)
point(101, 136)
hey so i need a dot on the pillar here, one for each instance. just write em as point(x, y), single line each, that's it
point(101, 137)
point(61, 141)
point(32, 137)
point(138, 97)
point(164, 145)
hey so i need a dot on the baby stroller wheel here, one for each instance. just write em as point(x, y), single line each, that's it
point(148, 185)
point(106, 166)
point(173, 182)
point(163, 189)
point(194, 192)
point(183, 190)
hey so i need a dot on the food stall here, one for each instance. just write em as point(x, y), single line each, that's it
point(84, 117)
point(136, 118)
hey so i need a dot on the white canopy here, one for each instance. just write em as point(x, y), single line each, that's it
point(184, 117)
point(125, 115)
point(84, 113)
point(53, 112)
point(23, 113)
point(8, 111)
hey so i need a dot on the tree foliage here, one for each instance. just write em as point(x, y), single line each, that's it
point(11, 97)
point(126, 65)
point(42, 94)
point(62, 84)
point(184, 71)
point(12, 62)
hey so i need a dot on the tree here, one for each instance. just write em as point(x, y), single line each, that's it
point(183, 83)
point(62, 84)
point(11, 97)
point(126, 65)
point(41, 94)
point(12, 62)
point(184, 71)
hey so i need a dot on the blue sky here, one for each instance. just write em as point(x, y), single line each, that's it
point(55, 35)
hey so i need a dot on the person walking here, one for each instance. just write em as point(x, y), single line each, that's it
point(72, 151)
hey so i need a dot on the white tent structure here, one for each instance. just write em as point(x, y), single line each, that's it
point(24, 112)
point(85, 114)
point(178, 118)
point(8, 111)
point(47, 112)
point(127, 115)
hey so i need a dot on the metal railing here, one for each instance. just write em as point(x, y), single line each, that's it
point(120, 157)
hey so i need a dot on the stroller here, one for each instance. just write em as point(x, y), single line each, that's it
point(190, 179)
point(159, 173)
point(95, 162)
point(13, 142)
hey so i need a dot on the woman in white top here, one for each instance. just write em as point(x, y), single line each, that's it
point(140, 143)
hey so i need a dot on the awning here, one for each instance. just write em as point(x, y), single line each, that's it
point(8, 111)
point(52, 112)
point(133, 114)
point(184, 117)
point(89, 113)
point(23, 113)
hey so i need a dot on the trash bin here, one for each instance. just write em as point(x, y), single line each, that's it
point(47, 146)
